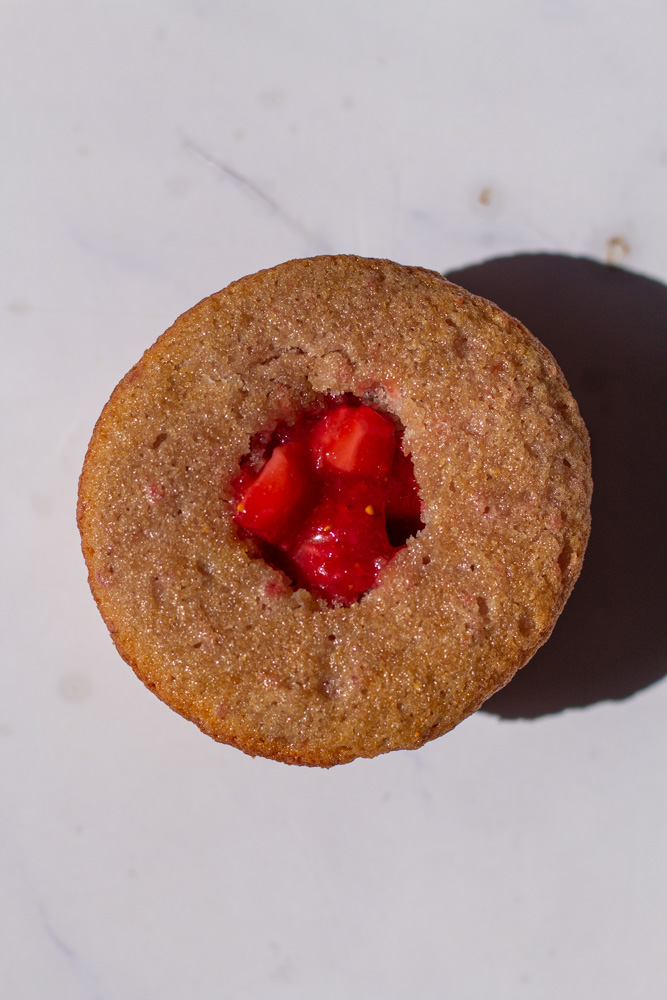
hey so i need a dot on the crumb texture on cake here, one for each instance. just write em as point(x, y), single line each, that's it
point(501, 456)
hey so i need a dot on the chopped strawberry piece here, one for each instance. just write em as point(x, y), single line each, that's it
point(342, 547)
point(274, 503)
point(354, 439)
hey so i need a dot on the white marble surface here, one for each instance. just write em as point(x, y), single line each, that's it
point(152, 152)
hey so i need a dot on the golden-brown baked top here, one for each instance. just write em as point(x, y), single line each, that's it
point(502, 460)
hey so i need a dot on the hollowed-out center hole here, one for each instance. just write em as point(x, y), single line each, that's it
point(329, 499)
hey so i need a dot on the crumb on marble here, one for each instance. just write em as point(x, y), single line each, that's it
point(618, 249)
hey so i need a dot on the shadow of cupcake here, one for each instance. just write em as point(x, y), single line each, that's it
point(607, 328)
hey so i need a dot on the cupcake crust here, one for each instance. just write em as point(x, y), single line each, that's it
point(501, 456)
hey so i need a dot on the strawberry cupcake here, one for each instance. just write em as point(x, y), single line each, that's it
point(334, 508)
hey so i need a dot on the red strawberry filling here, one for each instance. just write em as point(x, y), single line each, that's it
point(354, 439)
point(330, 499)
point(273, 504)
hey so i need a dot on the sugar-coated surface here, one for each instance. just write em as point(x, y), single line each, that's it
point(502, 461)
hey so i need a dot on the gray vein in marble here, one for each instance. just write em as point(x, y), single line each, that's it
point(85, 976)
point(53, 935)
point(246, 184)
